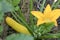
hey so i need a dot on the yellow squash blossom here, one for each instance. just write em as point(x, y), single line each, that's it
point(48, 15)
point(16, 26)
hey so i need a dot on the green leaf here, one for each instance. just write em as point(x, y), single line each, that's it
point(57, 35)
point(16, 8)
point(0, 6)
point(19, 37)
point(6, 7)
point(0, 0)
point(1, 29)
point(15, 2)
point(1, 16)
point(45, 28)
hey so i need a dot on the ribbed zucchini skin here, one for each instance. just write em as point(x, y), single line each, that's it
point(16, 26)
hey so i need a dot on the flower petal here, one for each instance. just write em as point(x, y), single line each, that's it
point(40, 21)
point(47, 10)
point(55, 22)
point(55, 14)
point(37, 14)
